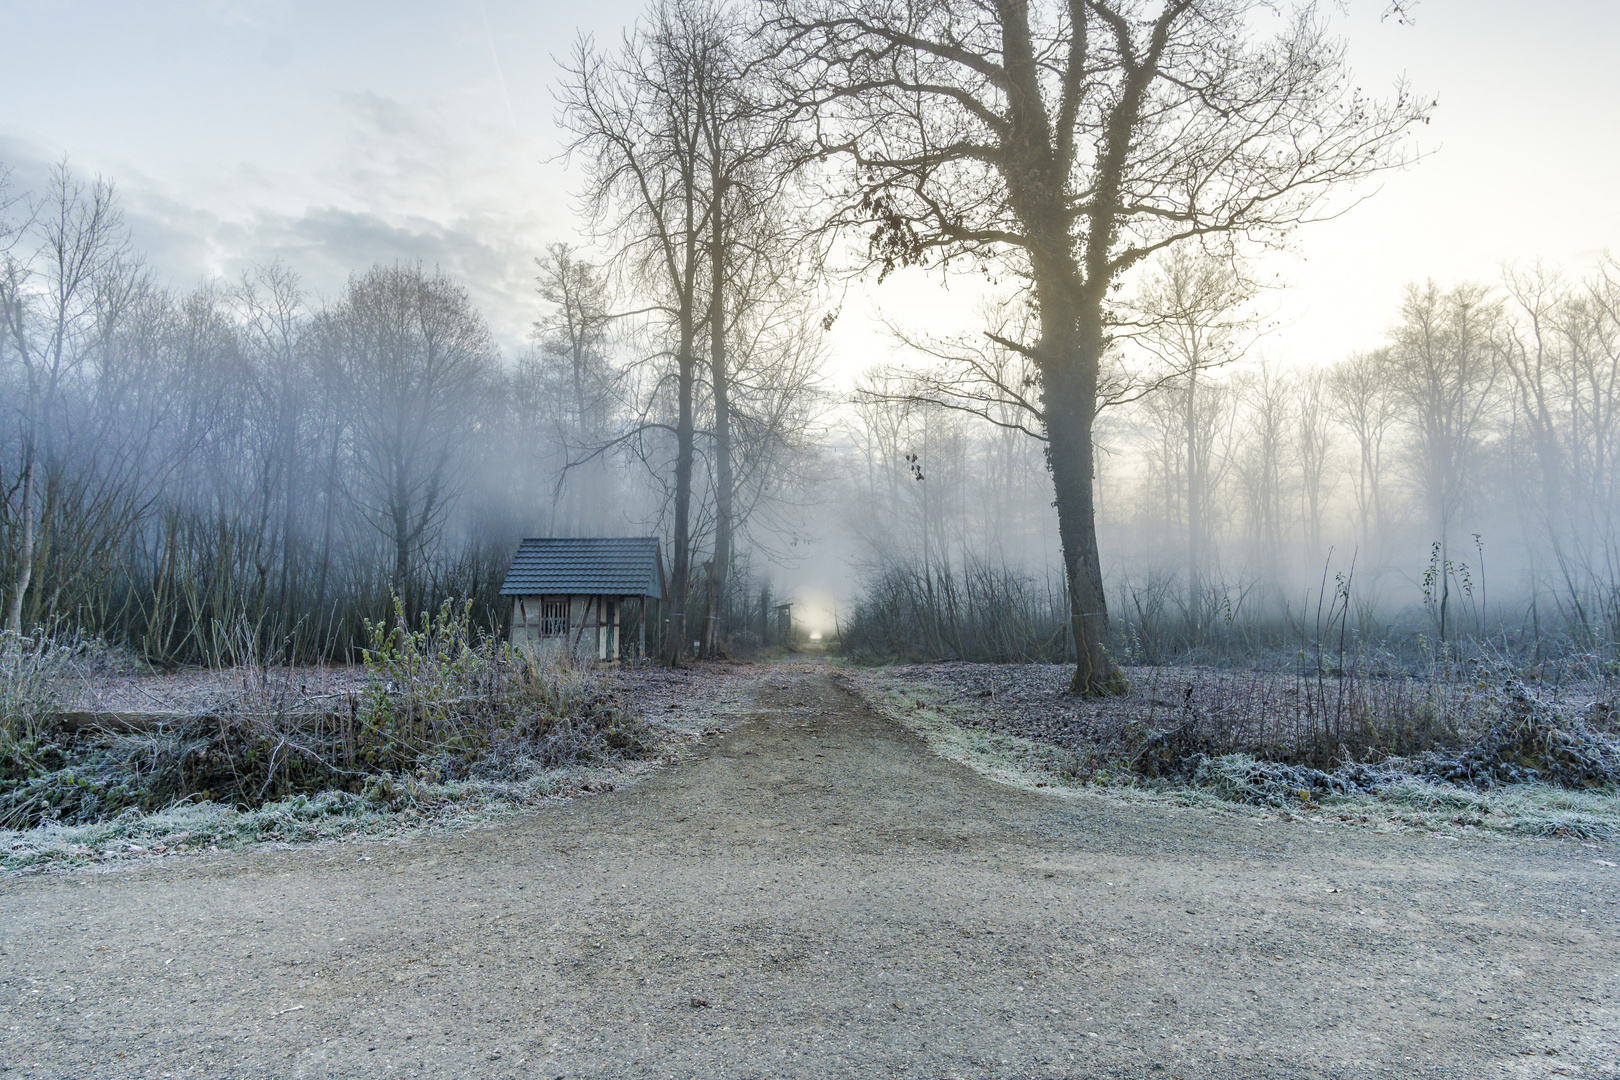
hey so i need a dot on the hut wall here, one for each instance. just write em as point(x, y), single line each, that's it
point(591, 631)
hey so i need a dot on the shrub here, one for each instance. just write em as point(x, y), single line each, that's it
point(979, 612)
point(439, 705)
point(1532, 741)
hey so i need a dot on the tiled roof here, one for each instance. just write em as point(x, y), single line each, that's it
point(595, 565)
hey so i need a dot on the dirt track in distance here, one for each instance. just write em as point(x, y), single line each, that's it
point(846, 904)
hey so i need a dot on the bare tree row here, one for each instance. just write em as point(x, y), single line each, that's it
point(1488, 421)
point(174, 462)
point(694, 180)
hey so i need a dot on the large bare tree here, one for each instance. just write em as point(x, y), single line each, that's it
point(692, 170)
point(755, 248)
point(1070, 139)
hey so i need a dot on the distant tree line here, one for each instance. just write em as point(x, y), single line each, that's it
point(175, 466)
point(1486, 422)
point(1471, 452)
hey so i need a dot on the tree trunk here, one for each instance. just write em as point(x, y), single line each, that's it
point(1195, 507)
point(25, 554)
point(327, 525)
point(1071, 349)
point(402, 557)
point(721, 378)
point(680, 576)
point(284, 612)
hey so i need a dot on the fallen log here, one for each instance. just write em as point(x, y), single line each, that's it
point(95, 720)
point(119, 720)
point(90, 720)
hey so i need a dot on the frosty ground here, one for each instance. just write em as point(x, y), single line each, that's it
point(814, 893)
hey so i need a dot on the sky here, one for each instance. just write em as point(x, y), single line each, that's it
point(338, 134)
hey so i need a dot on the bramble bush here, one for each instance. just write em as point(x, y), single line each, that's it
point(441, 704)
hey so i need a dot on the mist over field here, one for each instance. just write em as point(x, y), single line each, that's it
point(376, 326)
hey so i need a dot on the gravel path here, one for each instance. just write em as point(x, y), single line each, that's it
point(815, 895)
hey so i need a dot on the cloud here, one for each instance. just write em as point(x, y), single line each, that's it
point(26, 162)
point(279, 51)
point(395, 183)
point(253, 14)
point(328, 243)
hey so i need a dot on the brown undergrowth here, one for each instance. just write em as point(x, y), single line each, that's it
point(436, 705)
point(1327, 734)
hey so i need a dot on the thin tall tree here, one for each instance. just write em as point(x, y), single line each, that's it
point(638, 116)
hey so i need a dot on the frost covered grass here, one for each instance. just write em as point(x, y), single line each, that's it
point(673, 711)
point(1240, 783)
point(407, 804)
point(445, 727)
point(39, 669)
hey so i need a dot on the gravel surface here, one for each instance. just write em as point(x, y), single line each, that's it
point(813, 895)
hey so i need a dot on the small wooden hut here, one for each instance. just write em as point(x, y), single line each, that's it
point(567, 592)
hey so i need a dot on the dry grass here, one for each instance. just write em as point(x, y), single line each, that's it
point(1483, 729)
point(982, 611)
point(1525, 776)
point(674, 709)
point(436, 705)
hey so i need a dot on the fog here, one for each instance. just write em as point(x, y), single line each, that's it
point(633, 289)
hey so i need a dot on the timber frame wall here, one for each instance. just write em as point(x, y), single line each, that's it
point(591, 630)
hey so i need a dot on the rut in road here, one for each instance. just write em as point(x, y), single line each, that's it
point(814, 894)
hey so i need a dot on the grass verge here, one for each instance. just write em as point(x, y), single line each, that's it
point(1229, 782)
point(448, 729)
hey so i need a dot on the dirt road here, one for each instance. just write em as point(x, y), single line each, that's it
point(844, 904)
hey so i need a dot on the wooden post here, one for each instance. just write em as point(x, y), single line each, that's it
point(615, 647)
point(579, 632)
